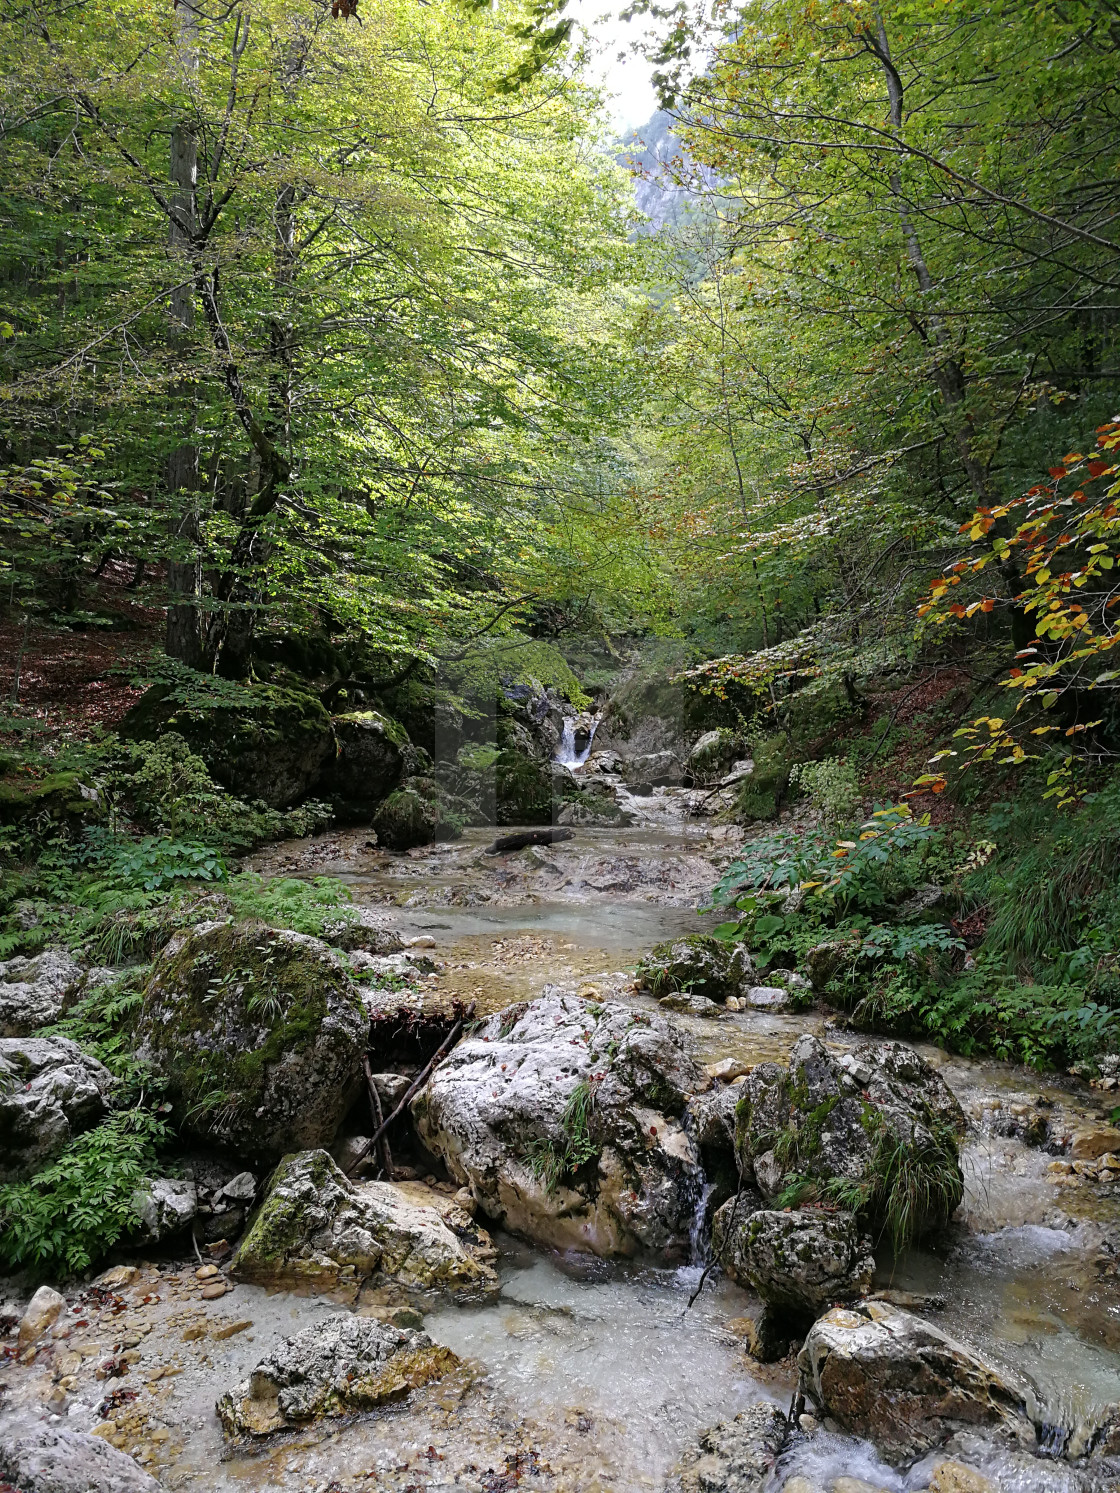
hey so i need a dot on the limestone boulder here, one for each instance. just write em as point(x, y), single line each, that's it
point(852, 1127)
point(165, 1207)
point(368, 762)
point(885, 1374)
point(260, 1035)
point(565, 1118)
point(695, 965)
point(35, 992)
point(735, 1456)
point(802, 1259)
point(335, 1367)
point(317, 1227)
point(711, 755)
point(43, 1311)
point(50, 1091)
point(53, 1459)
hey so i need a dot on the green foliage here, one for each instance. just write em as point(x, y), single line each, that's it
point(555, 1162)
point(164, 784)
point(319, 907)
point(415, 484)
point(990, 1011)
point(844, 876)
point(68, 1216)
point(831, 787)
point(911, 1180)
point(101, 1024)
point(149, 864)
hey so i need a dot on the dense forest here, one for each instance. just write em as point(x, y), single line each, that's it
point(390, 452)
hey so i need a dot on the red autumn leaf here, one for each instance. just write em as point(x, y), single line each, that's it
point(1097, 467)
point(1057, 471)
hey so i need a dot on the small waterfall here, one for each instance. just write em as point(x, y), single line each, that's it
point(567, 753)
point(699, 1236)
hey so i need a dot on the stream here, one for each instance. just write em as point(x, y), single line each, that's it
point(585, 1375)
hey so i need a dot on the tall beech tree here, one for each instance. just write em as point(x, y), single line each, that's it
point(324, 292)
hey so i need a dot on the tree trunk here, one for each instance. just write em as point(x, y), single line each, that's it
point(947, 375)
point(184, 575)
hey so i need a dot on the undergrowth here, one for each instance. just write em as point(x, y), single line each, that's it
point(69, 1215)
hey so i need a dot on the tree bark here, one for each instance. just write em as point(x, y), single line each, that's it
point(947, 374)
point(183, 638)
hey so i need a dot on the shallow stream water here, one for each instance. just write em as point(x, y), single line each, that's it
point(585, 1375)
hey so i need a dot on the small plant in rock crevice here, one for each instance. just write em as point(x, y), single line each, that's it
point(553, 1162)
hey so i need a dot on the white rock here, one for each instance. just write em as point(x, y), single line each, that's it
point(35, 992)
point(50, 1090)
point(41, 1314)
point(497, 1112)
point(53, 1459)
point(165, 1206)
point(767, 997)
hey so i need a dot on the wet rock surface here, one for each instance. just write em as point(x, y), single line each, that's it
point(735, 1456)
point(259, 1034)
point(316, 1227)
point(50, 1091)
point(886, 1374)
point(800, 1259)
point(564, 1117)
point(53, 1459)
point(342, 1364)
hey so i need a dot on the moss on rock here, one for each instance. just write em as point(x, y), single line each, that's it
point(416, 814)
point(259, 1033)
point(696, 964)
point(272, 749)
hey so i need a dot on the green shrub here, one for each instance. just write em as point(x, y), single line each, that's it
point(831, 787)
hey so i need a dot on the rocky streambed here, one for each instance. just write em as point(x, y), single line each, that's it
point(410, 1338)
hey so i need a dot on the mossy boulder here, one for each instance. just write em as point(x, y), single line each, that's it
point(61, 796)
point(765, 789)
point(800, 1259)
point(524, 791)
point(259, 1033)
point(273, 748)
point(696, 965)
point(417, 813)
point(369, 762)
point(876, 1130)
point(316, 1227)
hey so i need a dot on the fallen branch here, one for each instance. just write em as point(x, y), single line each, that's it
point(378, 1122)
point(420, 1079)
point(505, 843)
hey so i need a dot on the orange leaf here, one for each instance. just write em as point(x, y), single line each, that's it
point(1057, 471)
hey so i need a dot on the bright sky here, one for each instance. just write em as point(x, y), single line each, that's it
point(628, 80)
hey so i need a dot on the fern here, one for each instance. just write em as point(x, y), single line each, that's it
point(69, 1215)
